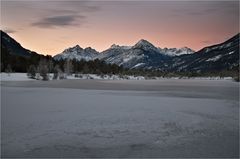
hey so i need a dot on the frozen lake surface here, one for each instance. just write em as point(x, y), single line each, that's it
point(94, 118)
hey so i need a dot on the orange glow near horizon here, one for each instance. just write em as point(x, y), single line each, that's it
point(51, 27)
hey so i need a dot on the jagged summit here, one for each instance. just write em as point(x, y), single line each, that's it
point(113, 46)
point(143, 41)
point(75, 48)
point(77, 53)
point(90, 49)
point(143, 44)
point(187, 50)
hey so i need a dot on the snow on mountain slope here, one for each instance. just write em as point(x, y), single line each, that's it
point(145, 55)
point(212, 58)
point(215, 58)
point(77, 53)
point(114, 46)
point(110, 55)
point(176, 52)
point(145, 45)
point(142, 55)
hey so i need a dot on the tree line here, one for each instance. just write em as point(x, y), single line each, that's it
point(38, 66)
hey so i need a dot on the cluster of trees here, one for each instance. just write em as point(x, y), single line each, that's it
point(41, 70)
point(61, 69)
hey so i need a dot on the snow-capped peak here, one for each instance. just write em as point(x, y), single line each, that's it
point(77, 53)
point(145, 45)
point(89, 49)
point(76, 48)
point(187, 50)
point(114, 46)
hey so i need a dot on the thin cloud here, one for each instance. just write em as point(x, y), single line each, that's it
point(205, 8)
point(62, 13)
point(58, 21)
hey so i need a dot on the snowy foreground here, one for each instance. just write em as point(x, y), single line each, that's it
point(106, 118)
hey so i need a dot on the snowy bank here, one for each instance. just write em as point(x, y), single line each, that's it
point(23, 77)
point(14, 77)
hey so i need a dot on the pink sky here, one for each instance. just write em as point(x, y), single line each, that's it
point(50, 27)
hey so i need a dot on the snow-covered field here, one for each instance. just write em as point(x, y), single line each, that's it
point(23, 77)
point(109, 118)
point(14, 77)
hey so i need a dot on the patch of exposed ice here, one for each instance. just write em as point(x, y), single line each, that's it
point(55, 122)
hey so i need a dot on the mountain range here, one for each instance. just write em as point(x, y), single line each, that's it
point(144, 55)
point(121, 55)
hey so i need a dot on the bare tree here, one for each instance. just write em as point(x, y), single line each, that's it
point(61, 74)
point(31, 73)
point(43, 69)
point(57, 73)
point(8, 70)
point(50, 66)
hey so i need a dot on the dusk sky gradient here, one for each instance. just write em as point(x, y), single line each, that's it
point(49, 27)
